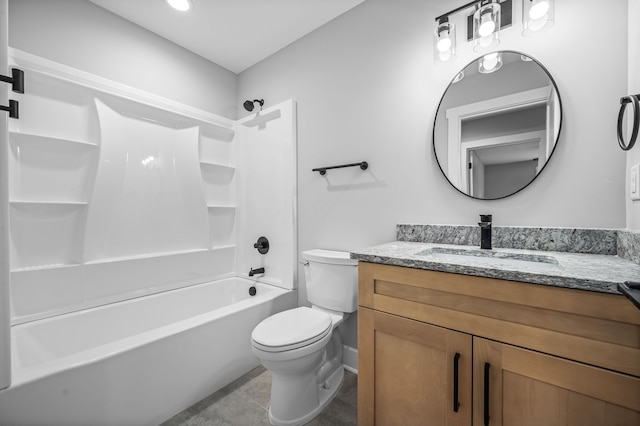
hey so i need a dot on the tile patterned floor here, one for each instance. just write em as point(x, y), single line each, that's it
point(245, 403)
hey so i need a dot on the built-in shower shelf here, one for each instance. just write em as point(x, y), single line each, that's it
point(216, 132)
point(145, 256)
point(48, 203)
point(222, 167)
point(216, 206)
point(21, 137)
point(223, 247)
point(45, 267)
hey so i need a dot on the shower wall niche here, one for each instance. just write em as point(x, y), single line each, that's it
point(114, 193)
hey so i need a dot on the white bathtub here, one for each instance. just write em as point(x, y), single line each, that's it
point(136, 362)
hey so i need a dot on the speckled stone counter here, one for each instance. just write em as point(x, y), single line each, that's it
point(573, 240)
point(628, 245)
point(593, 272)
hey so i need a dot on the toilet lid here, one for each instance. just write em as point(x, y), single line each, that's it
point(291, 329)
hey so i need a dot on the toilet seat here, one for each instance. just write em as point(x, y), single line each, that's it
point(292, 329)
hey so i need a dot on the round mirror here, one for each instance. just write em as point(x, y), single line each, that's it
point(497, 125)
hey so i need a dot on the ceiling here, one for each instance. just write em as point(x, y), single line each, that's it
point(235, 34)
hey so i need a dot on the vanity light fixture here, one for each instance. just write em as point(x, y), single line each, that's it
point(486, 26)
point(483, 26)
point(444, 41)
point(537, 16)
point(484, 21)
point(180, 5)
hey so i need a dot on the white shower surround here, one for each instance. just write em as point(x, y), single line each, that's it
point(117, 193)
point(116, 196)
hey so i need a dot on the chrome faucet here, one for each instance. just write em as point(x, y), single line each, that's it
point(485, 231)
point(252, 271)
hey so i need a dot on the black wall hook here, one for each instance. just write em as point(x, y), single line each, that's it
point(12, 108)
point(634, 101)
point(16, 80)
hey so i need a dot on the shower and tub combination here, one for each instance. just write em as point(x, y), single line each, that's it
point(132, 236)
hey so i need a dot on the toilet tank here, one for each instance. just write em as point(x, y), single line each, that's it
point(331, 279)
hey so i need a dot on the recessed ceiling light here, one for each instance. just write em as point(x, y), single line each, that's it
point(181, 5)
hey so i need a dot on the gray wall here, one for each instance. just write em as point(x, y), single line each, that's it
point(367, 89)
point(82, 35)
point(633, 156)
point(501, 179)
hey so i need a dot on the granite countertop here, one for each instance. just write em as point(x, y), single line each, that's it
point(593, 272)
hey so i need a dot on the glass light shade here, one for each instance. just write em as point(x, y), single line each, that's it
point(486, 27)
point(490, 62)
point(444, 42)
point(537, 16)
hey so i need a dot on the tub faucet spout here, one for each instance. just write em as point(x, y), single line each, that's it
point(252, 271)
point(485, 231)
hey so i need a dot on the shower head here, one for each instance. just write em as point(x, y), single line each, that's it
point(248, 105)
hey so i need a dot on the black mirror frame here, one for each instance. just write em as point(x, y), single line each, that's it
point(433, 136)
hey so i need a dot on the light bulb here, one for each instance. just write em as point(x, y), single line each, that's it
point(490, 61)
point(444, 43)
point(487, 26)
point(537, 25)
point(539, 9)
point(444, 56)
point(485, 42)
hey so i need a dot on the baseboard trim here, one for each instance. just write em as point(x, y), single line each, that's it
point(350, 359)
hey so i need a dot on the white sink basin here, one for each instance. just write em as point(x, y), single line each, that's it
point(489, 258)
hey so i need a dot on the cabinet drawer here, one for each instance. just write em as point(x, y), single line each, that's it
point(594, 328)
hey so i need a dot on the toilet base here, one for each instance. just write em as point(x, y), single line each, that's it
point(326, 392)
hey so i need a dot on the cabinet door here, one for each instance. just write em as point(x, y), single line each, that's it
point(530, 388)
point(412, 373)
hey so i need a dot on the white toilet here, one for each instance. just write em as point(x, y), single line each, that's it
point(299, 346)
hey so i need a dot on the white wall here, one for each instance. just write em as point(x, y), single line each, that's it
point(373, 94)
point(633, 156)
point(367, 89)
point(5, 319)
point(82, 35)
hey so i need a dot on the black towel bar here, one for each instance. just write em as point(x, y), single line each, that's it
point(323, 170)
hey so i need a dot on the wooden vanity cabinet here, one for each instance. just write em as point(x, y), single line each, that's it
point(526, 354)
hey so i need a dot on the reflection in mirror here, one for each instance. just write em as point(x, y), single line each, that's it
point(497, 126)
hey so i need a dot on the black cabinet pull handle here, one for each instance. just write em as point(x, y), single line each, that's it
point(456, 402)
point(486, 393)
